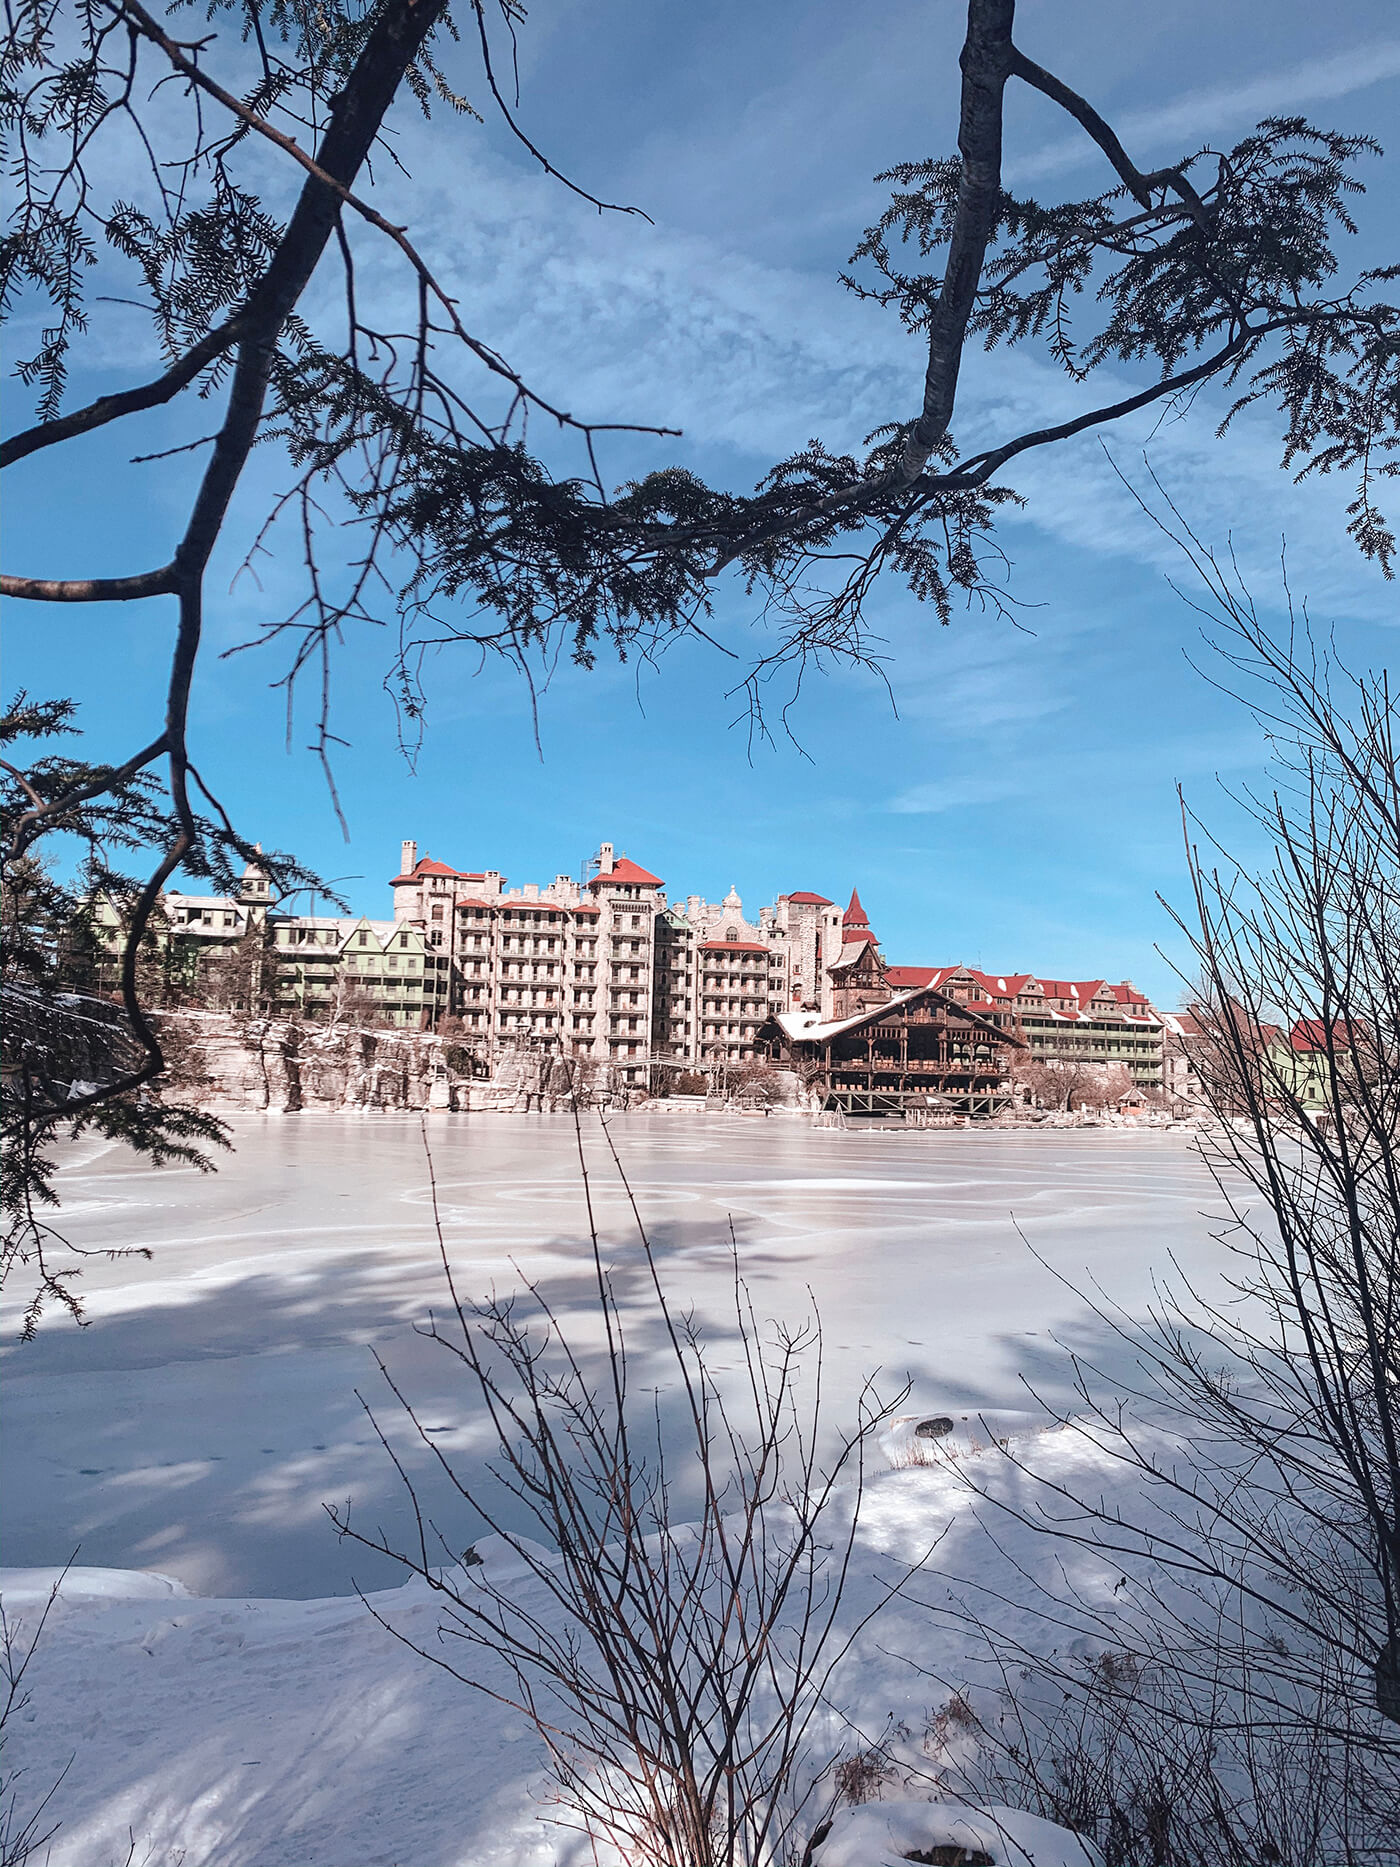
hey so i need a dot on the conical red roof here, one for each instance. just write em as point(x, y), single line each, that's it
point(855, 915)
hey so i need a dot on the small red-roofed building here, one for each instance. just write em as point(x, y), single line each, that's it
point(1314, 1065)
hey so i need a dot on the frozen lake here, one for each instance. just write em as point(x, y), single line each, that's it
point(197, 1425)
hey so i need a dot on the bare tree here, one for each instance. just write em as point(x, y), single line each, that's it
point(1220, 267)
point(672, 1656)
point(1051, 1082)
point(1312, 945)
point(756, 1084)
point(1234, 1695)
point(1263, 1566)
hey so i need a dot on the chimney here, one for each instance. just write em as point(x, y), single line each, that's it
point(409, 858)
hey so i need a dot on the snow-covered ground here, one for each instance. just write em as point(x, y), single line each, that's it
point(264, 1733)
point(195, 1428)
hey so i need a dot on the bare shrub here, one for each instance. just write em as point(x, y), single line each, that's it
point(22, 1822)
point(1250, 1709)
point(672, 1659)
point(1186, 1758)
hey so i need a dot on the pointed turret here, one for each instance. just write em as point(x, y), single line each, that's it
point(853, 921)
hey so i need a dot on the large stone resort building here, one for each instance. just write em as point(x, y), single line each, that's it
point(607, 965)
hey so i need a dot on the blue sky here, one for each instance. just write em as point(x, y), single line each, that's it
point(1014, 803)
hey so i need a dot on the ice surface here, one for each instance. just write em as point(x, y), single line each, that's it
point(197, 1426)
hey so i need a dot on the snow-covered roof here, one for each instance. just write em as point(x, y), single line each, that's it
point(906, 978)
point(809, 1027)
point(227, 903)
point(851, 951)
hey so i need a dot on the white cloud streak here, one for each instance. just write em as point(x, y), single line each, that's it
point(943, 794)
point(1184, 120)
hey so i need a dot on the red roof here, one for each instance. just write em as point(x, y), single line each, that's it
point(627, 871)
point(808, 900)
point(911, 978)
point(1081, 991)
point(471, 901)
point(1000, 985)
point(855, 914)
point(587, 907)
point(1310, 1034)
point(426, 866)
point(731, 946)
point(907, 978)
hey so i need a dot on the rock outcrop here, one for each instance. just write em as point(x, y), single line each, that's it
point(240, 1062)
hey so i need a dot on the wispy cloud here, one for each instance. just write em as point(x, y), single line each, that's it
point(1182, 120)
point(655, 324)
point(927, 800)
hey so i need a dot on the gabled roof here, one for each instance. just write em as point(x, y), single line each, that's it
point(856, 945)
point(1128, 994)
point(1183, 1024)
point(426, 866)
point(1309, 1035)
point(808, 900)
point(625, 870)
point(1081, 991)
point(1000, 985)
point(908, 978)
point(805, 1027)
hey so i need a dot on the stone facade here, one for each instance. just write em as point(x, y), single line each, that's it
point(604, 967)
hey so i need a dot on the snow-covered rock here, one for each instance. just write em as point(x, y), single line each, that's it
point(950, 1433)
point(887, 1834)
point(23, 1588)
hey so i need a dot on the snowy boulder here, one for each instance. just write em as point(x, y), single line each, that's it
point(498, 1558)
point(886, 1834)
point(949, 1433)
point(30, 1587)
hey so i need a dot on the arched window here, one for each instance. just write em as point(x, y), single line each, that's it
point(731, 933)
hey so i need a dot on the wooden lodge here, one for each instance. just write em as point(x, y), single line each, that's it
point(882, 1052)
point(918, 1051)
